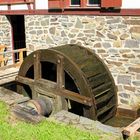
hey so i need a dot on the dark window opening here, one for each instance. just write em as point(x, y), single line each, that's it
point(48, 71)
point(74, 107)
point(18, 33)
point(92, 2)
point(30, 72)
point(75, 2)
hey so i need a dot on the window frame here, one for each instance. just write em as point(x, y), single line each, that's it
point(93, 5)
point(83, 4)
point(74, 5)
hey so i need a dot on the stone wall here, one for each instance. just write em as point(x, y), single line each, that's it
point(5, 31)
point(5, 36)
point(115, 39)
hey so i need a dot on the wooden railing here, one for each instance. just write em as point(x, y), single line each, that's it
point(6, 57)
point(15, 1)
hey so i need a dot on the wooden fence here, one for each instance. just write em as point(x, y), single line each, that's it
point(11, 58)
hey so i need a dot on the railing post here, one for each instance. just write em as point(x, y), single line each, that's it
point(20, 56)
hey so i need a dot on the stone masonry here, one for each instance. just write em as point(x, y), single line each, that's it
point(116, 39)
point(5, 31)
point(6, 36)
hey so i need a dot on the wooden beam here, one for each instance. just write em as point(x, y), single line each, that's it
point(25, 80)
point(4, 2)
point(87, 11)
point(37, 66)
point(60, 72)
point(49, 86)
point(76, 97)
point(126, 112)
point(132, 128)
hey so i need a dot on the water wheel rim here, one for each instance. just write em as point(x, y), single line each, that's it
point(51, 55)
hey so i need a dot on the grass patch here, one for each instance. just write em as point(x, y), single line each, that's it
point(43, 131)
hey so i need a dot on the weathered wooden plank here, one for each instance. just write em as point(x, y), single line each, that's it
point(105, 109)
point(132, 128)
point(98, 91)
point(97, 79)
point(104, 98)
point(108, 116)
point(24, 80)
point(76, 97)
point(26, 114)
point(7, 80)
point(126, 112)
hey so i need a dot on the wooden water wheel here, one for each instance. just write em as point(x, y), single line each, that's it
point(71, 77)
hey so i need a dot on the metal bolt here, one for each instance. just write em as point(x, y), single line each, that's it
point(58, 61)
point(85, 101)
point(34, 56)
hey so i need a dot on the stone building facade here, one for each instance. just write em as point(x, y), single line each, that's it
point(116, 39)
point(5, 31)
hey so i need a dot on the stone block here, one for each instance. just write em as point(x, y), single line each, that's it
point(124, 79)
point(123, 51)
point(117, 44)
point(113, 21)
point(135, 36)
point(99, 34)
point(124, 36)
point(80, 35)
point(135, 29)
point(124, 95)
point(134, 69)
point(138, 56)
point(106, 45)
point(122, 26)
point(138, 76)
point(71, 35)
point(89, 31)
point(52, 30)
point(111, 36)
point(101, 51)
point(49, 40)
point(100, 27)
point(128, 55)
point(114, 62)
point(130, 88)
point(63, 34)
point(113, 51)
point(132, 22)
point(136, 83)
point(97, 45)
point(45, 22)
point(131, 43)
point(124, 101)
point(78, 24)
point(120, 88)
